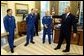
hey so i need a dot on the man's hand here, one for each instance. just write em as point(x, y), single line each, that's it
point(15, 29)
point(8, 33)
point(74, 35)
point(57, 20)
point(51, 16)
point(45, 26)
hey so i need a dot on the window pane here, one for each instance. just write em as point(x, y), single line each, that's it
point(62, 6)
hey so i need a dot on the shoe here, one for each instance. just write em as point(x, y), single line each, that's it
point(49, 43)
point(56, 48)
point(26, 44)
point(12, 51)
point(65, 51)
point(32, 42)
point(14, 46)
point(43, 42)
point(36, 35)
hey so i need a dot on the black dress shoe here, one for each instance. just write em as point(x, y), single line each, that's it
point(37, 35)
point(14, 46)
point(43, 42)
point(49, 43)
point(65, 51)
point(26, 44)
point(32, 42)
point(12, 50)
point(56, 48)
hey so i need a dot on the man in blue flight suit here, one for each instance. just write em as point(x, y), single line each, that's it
point(67, 21)
point(47, 21)
point(9, 24)
point(30, 21)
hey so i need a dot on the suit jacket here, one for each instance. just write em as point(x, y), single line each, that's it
point(67, 23)
point(37, 18)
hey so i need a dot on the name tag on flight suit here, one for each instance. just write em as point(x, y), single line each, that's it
point(31, 16)
point(10, 18)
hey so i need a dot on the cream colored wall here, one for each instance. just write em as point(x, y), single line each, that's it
point(11, 5)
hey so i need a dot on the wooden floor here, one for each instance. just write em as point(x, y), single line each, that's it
point(45, 49)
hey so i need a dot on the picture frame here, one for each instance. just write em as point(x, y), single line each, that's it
point(21, 9)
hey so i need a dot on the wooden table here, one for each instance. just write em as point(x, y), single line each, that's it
point(22, 27)
point(78, 40)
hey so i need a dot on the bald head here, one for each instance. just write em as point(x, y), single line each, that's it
point(47, 13)
point(36, 10)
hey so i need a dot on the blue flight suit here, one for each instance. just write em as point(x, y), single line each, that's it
point(30, 21)
point(9, 24)
point(48, 21)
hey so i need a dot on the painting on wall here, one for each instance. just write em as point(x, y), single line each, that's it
point(21, 9)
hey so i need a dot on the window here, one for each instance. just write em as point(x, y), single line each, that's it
point(44, 7)
point(62, 6)
point(81, 13)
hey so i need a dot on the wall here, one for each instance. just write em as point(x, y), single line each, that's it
point(74, 7)
point(55, 5)
point(11, 4)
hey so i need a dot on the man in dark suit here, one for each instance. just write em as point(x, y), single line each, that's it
point(67, 21)
point(36, 21)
